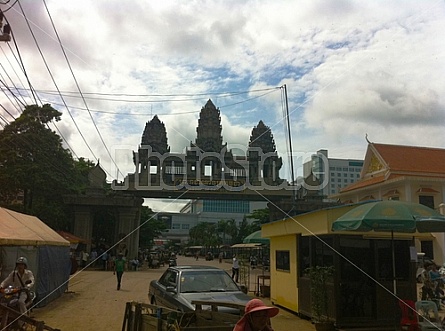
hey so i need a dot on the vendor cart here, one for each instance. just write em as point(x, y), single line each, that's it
point(145, 317)
point(10, 318)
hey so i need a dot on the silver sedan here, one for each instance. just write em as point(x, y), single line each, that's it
point(180, 285)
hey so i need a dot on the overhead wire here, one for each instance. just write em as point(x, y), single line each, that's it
point(17, 107)
point(20, 90)
point(78, 87)
point(55, 84)
point(22, 66)
point(5, 3)
point(20, 59)
point(12, 82)
point(13, 69)
point(219, 94)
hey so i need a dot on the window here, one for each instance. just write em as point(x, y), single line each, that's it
point(345, 180)
point(338, 174)
point(426, 247)
point(345, 174)
point(176, 226)
point(207, 170)
point(169, 278)
point(226, 206)
point(426, 200)
point(185, 226)
point(345, 169)
point(153, 170)
point(282, 260)
point(351, 175)
point(332, 174)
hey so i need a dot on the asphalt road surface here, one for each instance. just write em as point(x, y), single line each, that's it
point(92, 301)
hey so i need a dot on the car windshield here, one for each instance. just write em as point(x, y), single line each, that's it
point(206, 281)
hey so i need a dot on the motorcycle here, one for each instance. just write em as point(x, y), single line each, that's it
point(172, 262)
point(9, 297)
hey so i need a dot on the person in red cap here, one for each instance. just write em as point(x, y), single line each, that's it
point(256, 317)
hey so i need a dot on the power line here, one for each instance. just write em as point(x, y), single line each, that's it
point(21, 61)
point(78, 87)
point(5, 3)
point(193, 97)
point(55, 84)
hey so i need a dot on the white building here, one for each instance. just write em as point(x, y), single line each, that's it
point(334, 174)
point(211, 211)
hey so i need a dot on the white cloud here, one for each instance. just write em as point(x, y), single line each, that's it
point(351, 68)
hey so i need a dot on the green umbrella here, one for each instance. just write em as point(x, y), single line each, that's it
point(391, 216)
point(255, 238)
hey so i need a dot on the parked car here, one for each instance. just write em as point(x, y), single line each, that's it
point(180, 285)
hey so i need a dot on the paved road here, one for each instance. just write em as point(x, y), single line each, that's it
point(93, 303)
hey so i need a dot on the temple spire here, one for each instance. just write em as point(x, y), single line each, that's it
point(209, 138)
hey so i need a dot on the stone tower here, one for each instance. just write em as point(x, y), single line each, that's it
point(209, 138)
point(155, 135)
point(263, 157)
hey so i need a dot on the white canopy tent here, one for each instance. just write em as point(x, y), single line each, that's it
point(47, 253)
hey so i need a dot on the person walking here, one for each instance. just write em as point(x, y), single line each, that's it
point(104, 258)
point(84, 258)
point(256, 317)
point(235, 268)
point(119, 267)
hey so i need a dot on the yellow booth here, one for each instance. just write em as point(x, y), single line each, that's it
point(361, 289)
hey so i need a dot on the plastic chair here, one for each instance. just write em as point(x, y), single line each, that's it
point(409, 320)
point(428, 315)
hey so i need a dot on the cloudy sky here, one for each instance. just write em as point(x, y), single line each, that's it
point(351, 68)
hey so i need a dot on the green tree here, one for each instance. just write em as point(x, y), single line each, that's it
point(34, 163)
point(260, 215)
point(245, 229)
point(150, 229)
point(205, 234)
point(227, 228)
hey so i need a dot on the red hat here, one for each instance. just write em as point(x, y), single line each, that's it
point(251, 306)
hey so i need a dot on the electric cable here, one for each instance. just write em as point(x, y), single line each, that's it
point(22, 101)
point(55, 84)
point(21, 60)
point(13, 69)
point(5, 3)
point(78, 87)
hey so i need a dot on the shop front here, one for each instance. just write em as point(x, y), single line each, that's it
point(361, 289)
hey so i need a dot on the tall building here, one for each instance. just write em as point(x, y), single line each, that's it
point(333, 174)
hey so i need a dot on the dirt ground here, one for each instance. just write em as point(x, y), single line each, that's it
point(92, 301)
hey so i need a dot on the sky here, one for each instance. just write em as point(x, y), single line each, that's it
point(351, 69)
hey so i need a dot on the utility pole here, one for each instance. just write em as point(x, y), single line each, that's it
point(6, 36)
point(290, 145)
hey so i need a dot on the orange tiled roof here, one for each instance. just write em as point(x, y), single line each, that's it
point(405, 159)
point(363, 183)
point(412, 159)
